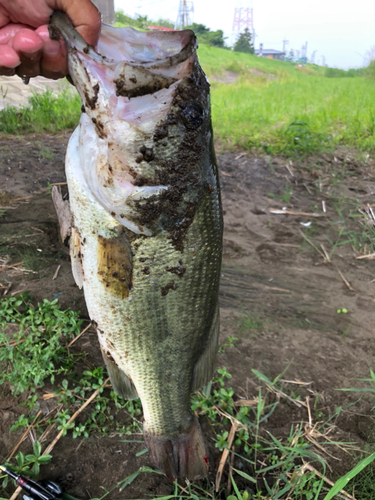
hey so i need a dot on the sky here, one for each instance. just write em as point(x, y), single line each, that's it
point(341, 31)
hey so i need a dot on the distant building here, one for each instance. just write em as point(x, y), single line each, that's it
point(107, 10)
point(270, 54)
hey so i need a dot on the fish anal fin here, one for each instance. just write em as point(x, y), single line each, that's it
point(204, 368)
point(121, 383)
point(115, 265)
point(76, 257)
point(182, 456)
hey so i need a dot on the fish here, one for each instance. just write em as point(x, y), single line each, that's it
point(147, 225)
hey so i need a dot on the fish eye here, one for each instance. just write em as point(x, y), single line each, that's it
point(192, 116)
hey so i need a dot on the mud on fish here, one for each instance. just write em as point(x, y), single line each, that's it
point(147, 225)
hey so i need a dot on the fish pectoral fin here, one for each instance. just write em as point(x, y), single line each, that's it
point(204, 368)
point(63, 213)
point(121, 383)
point(76, 257)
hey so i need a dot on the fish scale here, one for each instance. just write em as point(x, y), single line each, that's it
point(146, 238)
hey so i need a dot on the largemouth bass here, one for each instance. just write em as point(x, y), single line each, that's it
point(147, 225)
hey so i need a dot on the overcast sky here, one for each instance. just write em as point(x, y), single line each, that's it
point(342, 31)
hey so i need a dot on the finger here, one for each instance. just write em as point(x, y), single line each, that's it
point(53, 62)
point(9, 31)
point(84, 15)
point(8, 58)
point(29, 47)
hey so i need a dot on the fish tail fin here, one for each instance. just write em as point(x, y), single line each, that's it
point(183, 456)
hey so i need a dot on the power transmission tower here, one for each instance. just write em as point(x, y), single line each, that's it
point(185, 14)
point(313, 57)
point(285, 43)
point(304, 50)
point(243, 18)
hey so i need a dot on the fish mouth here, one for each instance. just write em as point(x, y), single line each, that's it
point(150, 50)
point(137, 90)
point(127, 63)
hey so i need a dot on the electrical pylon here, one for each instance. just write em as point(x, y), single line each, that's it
point(243, 18)
point(185, 14)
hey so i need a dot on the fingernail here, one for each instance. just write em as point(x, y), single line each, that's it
point(51, 47)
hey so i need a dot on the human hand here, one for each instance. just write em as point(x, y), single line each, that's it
point(25, 45)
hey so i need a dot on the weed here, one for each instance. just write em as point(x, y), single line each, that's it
point(301, 139)
point(34, 352)
point(343, 311)
point(45, 112)
point(287, 195)
point(3, 92)
point(28, 465)
point(250, 323)
point(370, 389)
point(33, 344)
point(266, 466)
point(44, 152)
point(32, 260)
point(228, 343)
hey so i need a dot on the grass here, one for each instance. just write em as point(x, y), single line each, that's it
point(250, 324)
point(34, 351)
point(303, 115)
point(46, 112)
point(300, 110)
point(273, 107)
point(44, 152)
point(355, 226)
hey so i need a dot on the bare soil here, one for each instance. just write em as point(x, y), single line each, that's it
point(279, 296)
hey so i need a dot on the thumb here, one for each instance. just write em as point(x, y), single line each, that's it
point(85, 17)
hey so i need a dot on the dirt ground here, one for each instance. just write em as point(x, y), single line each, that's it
point(280, 293)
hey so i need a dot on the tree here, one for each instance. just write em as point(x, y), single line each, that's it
point(243, 43)
point(205, 35)
point(122, 18)
point(199, 29)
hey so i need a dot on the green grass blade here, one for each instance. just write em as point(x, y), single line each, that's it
point(343, 481)
point(244, 475)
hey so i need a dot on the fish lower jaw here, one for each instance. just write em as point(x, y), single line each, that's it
point(182, 455)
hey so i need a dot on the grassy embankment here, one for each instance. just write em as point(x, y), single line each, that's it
point(273, 106)
point(262, 107)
